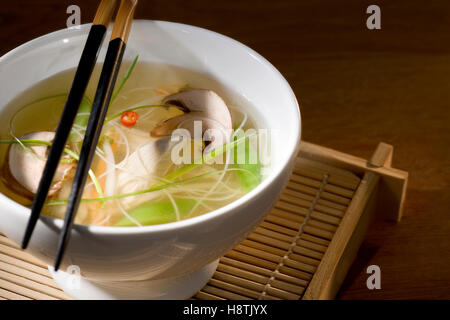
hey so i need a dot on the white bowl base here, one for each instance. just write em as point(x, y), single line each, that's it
point(177, 288)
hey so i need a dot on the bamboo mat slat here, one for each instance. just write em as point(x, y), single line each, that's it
point(280, 257)
point(276, 261)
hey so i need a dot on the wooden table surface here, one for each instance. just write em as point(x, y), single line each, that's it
point(356, 87)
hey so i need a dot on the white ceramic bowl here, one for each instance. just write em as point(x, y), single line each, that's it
point(180, 248)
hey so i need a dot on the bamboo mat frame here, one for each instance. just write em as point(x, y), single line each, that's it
point(303, 248)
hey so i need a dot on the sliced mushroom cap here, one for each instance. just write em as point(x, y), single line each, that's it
point(26, 167)
point(202, 105)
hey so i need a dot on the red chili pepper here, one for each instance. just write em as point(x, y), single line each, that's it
point(129, 118)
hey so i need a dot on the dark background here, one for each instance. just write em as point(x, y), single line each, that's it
point(356, 87)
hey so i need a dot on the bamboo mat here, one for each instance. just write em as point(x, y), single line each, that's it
point(276, 261)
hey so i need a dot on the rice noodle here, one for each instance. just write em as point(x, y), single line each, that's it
point(126, 143)
point(147, 114)
point(81, 135)
point(121, 163)
point(127, 215)
point(78, 126)
point(108, 162)
point(244, 121)
point(227, 162)
point(110, 180)
point(103, 221)
point(174, 204)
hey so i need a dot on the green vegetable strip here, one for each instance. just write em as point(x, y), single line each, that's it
point(175, 174)
point(94, 179)
point(118, 114)
point(40, 100)
point(11, 130)
point(124, 79)
point(86, 104)
point(247, 181)
point(137, 193)
point(207, 157)
point(151, 213)
point(171, 176)
point(81, 119)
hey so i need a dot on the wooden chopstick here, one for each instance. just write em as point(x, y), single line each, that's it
point(85, 66)
point(102, 99)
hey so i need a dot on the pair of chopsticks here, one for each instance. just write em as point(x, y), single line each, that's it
point(100, 105)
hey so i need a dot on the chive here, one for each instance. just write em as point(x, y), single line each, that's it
point(10, 125)
point(140, 192)
point(118, 114)
point(40, 100)
point(171, 176)
point(86, 104)
point(81, 119)
point(124, 79)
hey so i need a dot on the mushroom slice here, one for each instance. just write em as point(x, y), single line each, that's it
point(201, 105)
point(26, 166)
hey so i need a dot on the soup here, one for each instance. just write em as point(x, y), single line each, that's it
point(175, 144)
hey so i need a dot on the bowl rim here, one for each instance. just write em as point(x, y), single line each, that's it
point(111, 230)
